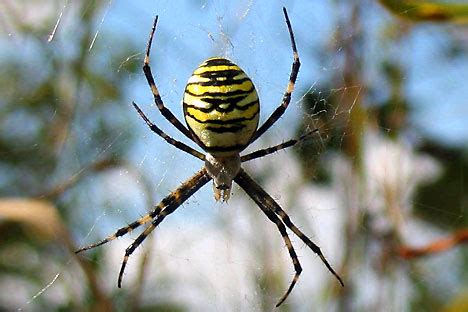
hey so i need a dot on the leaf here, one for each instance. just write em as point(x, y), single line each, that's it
point(38, 217)
point(428, 11)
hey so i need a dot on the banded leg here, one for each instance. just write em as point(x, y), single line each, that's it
point(168, 139)
point(157, 98)
point(195, 184)
point(178, 196)
point(271, 150)
point(263, 199)
point(289, 89)
point(292, 253)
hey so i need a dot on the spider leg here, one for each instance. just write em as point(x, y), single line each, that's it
point(168, 139)
point(265, 201)
point(289, 89)
point(267, 151)
point(175, 198)
point(157, 98)
point(292, 253)
point(193, 185)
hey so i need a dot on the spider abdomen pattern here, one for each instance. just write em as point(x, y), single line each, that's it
point(221, 107)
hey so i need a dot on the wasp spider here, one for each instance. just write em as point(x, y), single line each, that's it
point(221, 109)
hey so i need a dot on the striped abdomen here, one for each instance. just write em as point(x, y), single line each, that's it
point(221, 107)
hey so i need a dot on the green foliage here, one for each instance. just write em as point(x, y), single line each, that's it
point(444, 201)
point(57, 98)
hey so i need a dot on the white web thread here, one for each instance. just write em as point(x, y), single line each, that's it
point(40, 292)
point(67, 264)
point(52, 34)
point(100, 25)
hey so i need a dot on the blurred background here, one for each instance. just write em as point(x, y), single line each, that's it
point(381, 188)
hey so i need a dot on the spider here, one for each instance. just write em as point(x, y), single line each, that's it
point(221, 109)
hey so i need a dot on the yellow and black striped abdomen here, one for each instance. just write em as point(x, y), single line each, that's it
point(221, 106)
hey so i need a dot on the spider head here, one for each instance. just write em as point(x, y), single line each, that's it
point(222, 170)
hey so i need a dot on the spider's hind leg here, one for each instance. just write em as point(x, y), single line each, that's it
point(270, 150)
point(177, 197)
point(124, 230)
point(268, 205)
point(292, 253)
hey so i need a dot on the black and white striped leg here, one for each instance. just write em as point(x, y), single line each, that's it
point(162, 134)
point(154, 89)
point(289, 89)
point(192, 185)
point(292, 253)
point(271, 150)
point(182, 192)
point(266, 202)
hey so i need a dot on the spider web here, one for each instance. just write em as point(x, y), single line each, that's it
point(209, 255)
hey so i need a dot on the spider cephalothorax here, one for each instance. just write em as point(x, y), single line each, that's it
point(223, 170)
point(221, 108)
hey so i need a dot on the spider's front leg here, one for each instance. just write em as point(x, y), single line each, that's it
point(279, 111)
point(154, 89)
